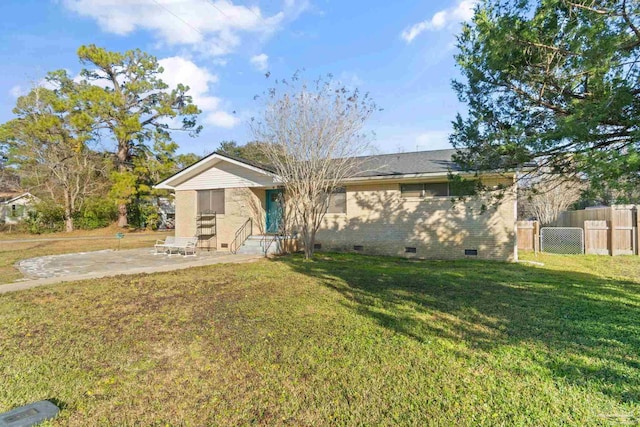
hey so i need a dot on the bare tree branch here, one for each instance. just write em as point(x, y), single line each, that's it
point(312, 135)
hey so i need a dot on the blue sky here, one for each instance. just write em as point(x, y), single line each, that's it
point(400, 52)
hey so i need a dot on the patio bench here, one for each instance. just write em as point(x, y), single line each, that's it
point(162, 246)
point(184, 244)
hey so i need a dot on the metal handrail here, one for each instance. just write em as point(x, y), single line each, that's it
point(241, 236)
point(265, 246)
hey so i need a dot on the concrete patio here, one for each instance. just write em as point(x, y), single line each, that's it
point(90, 265)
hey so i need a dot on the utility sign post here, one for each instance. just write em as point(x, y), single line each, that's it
point(119, 236)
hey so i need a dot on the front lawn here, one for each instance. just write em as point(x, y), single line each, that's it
point(346, 340)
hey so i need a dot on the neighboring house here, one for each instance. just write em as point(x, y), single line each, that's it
point(16, 208)
point(167, 211)
point(401, 205)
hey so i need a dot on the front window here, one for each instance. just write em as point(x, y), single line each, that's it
point(211, 201)
point(16, 211)
point(432, 189)
point(338, 201)
point(437, 189)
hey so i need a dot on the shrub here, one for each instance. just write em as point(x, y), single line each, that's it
point(44, 217)
point(96, 213)
point(143, 214)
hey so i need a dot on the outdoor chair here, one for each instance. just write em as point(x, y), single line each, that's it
point(162, 246)
point(186, 245)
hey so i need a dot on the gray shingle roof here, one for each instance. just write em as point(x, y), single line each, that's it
point(409, 163)
point(253, 163)
point(390, 164)
point(436, 161)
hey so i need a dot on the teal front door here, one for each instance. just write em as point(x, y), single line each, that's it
point(274, 210)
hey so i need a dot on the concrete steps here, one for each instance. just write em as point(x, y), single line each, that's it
point(254, 245)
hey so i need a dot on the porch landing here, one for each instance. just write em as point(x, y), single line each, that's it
point(256, 244)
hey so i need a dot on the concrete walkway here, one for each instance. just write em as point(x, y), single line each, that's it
point(52, 269)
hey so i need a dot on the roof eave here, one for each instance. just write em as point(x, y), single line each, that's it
point(171, 182)
point(23, 195)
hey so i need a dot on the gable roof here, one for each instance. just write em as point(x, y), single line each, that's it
point(207, 162)
point(258, 165)
point(8, 195)
point(21, 196)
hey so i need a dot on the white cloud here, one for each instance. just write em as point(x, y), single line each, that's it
point(221, 119)
point(23, 89)
point(208, 26)
point(176, 70)
point(461, 12)
point(260, 62)
point(181, 70)
point(17, 91)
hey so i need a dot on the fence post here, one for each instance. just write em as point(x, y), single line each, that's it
point(637, 230)
point(612, 231)
point(536, 237)
point(585, 227)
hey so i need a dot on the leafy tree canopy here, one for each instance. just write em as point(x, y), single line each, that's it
point(52, 143)
point(250, 151)
point(49, 141)
point(556, 81)
point(184, 160)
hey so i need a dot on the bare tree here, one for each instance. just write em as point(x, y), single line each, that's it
point(9, 180)
point(547, 198)
point(313, 135)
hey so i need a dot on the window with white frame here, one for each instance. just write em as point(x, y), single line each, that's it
point(338, 201)
point(437, 189)
point(211, 201)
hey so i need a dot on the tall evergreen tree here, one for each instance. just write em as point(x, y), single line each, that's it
point(557, 81)
point(136, 109)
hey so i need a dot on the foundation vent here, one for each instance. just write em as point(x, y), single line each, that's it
point(471, 252)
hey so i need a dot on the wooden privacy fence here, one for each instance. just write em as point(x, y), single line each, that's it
point(527, 235)
point(607, 231)
point(596, 237)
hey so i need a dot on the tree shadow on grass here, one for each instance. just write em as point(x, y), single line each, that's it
point(589, 326)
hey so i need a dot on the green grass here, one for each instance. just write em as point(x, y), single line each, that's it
point(108, 231)
point(344, 340)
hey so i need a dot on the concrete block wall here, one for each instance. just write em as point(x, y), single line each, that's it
point(240, 205)
point(186, 201)
point(383, 222)
point(380, 220)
